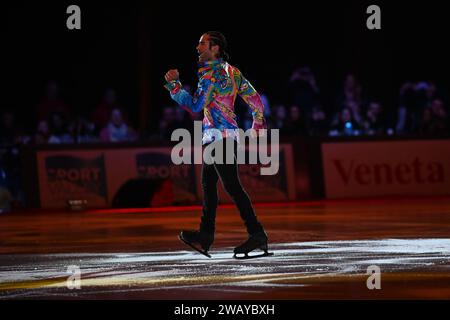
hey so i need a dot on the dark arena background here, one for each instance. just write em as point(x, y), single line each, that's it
point(91, 203)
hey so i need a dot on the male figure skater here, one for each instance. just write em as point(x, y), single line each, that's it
point(218, 86)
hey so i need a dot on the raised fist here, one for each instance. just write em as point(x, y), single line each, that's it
point(172, 75)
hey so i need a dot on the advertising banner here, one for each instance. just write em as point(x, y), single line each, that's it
point(365, 169)
point(99, 175)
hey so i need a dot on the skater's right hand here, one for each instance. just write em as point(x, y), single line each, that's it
point(172, 75)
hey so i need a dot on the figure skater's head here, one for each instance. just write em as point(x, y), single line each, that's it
point(212, 46)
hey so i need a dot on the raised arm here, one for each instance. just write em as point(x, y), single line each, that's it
point(202, 97)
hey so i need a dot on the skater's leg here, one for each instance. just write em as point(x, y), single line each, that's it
point(229, 175)
point(210, 198)
point(202, 239)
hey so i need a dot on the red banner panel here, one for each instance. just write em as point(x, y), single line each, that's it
point(406, 168)
point(108, 177)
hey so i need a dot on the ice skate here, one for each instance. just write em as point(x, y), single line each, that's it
point(197, 241)
point(256, 241)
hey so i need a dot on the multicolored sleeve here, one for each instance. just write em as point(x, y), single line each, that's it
point(202, 97)
point(252, 98)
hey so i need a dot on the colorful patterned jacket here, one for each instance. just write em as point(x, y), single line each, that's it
point(218, 86)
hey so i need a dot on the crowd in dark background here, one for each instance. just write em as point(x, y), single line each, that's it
point(89, 86)
point(421, 110)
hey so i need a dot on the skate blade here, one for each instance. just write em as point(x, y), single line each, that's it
point(246, 256)
point(195, 248)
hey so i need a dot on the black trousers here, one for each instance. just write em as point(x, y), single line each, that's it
point(229, 175)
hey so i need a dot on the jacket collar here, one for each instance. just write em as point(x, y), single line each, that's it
point(203, 67)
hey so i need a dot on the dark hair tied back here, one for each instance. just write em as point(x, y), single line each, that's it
point(217, 38)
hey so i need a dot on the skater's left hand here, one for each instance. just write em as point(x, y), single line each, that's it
point(257, 129)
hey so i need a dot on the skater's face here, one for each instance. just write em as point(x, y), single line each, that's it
point(206, 51)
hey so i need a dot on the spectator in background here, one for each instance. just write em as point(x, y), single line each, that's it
point(59, 129)
point(278, 118)
point(102, 113)
point(425, 123)
point(247, 121)
point(175, 117)
point(265, 101)
point(413, 99)
point(303, 89)
point(374, 122)
point(117, 130)
point(420, 98)
point(295, 124)
point(317, 123)
point(351, 97)
point(84, 131)
point(344, 124)
point(52, 103)
point(356, 110)
point(182, 118)
point(406, 118)
point(435, 119)
point(168, 123)
point(352, 91)
point(42, 133)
